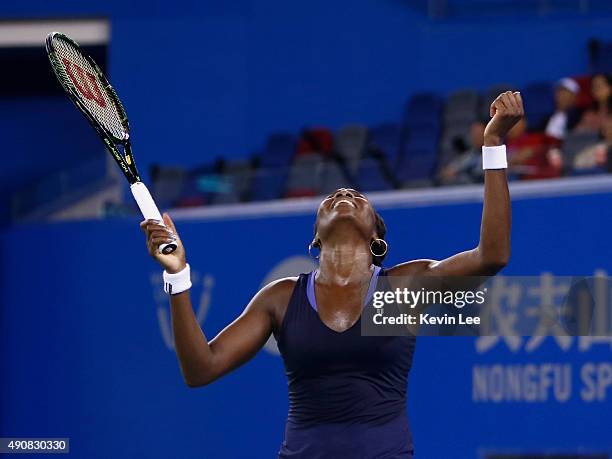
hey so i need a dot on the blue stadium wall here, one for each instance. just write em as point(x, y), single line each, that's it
point(85, 344)
point(202, 79)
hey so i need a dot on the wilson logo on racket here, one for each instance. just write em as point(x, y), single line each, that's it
point(85, 83)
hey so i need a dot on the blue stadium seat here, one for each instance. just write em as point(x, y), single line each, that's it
point(199, 186)
point(274, 161)
point(423, 108)
point(453, 134)
point(167, 185)
point(422, 125)
point(461, 107)
point(371, 176)
point(279, 150)
point(333, 176)
point(417, 167)
point(385, 141)
point(349, 145)
point(427, 136)
point(269, 184)
point(419, 144)
point(304, 175)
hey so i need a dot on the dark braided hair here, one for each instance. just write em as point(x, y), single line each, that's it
point(381, 231)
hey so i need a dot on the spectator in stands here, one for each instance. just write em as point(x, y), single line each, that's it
point(566, 115)
point(529, 153)
point(601, 90)
point(466, 167)
point(596, 156)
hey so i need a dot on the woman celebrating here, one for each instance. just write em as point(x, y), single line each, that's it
point(347, 392)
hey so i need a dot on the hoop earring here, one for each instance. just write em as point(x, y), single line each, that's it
point(379, 241)
point(310, 246)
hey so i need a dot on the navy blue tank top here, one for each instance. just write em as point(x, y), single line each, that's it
point(347, 392)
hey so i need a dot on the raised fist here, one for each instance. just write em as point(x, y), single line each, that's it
point(506, 111)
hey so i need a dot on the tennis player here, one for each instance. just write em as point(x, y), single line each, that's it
point(347, 392)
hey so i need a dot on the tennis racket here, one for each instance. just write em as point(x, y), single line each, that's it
point(90, 91)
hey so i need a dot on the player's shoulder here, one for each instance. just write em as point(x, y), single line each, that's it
point(279, 291)
point(283, 286)
point(275, 296)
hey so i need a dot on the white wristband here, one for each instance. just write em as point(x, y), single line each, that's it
point(494, 157)
point(178, 282)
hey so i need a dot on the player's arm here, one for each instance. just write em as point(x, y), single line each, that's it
point(204, 361)
point(493, 250)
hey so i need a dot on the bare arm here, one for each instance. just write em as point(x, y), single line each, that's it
point(204, 361)
point(493, 250)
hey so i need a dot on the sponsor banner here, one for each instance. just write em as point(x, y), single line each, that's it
point(508, 306)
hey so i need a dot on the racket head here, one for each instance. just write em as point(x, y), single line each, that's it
point(87, 87)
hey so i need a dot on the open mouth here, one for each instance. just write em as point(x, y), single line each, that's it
point(344, 201)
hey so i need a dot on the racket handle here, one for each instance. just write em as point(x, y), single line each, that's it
point(150, 211)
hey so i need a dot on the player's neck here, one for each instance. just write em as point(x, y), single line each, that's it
point(344, 260)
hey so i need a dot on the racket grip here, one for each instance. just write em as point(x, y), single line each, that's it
point(150, 211)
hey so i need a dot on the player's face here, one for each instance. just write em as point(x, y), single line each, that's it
point(349, 205)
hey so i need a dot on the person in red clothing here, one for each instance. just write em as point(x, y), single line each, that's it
point(593, 118)
point(531, 155)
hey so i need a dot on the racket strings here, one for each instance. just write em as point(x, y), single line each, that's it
point(80, 74)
